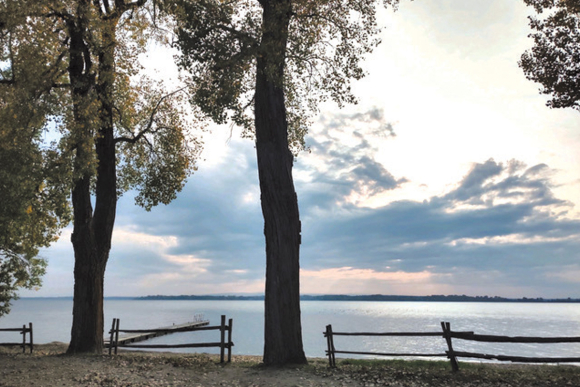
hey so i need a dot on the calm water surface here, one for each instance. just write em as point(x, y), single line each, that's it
point(52, 320)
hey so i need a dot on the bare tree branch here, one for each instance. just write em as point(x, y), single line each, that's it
point(148, 128)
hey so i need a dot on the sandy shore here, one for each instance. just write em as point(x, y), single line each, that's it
point(48, 366)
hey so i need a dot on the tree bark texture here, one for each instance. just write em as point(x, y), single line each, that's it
point(91, 241)
point(283, 331)
point(92, 229)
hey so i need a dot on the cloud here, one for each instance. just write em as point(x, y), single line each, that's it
point(212, 233)
point(499, 231)
point(341, 164)
point(492, 183)
point(500, 218)
point(350, 280)
point(465, 28)
point(569, 274)
point(206, 241)
point(365, 274)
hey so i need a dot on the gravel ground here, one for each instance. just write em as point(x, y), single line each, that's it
point(48, 366)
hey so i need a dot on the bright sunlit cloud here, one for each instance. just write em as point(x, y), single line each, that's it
point(349, 280)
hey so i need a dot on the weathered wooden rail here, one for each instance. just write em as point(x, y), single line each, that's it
point(451, 354)
point(144, 334)
point(23, 331)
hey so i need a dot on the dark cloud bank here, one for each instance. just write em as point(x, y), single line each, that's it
point(500, 230)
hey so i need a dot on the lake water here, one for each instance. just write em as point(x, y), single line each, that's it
point(52, 320)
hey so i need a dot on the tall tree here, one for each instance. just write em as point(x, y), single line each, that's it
point(33, 203)
point(281, 58)
point(119, 129)
point(32, 210)
point(554, 61)
point(33, 193)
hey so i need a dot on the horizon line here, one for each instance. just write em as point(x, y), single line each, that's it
point(320, 295)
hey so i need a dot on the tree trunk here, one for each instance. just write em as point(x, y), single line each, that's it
point(88, 320)
point(91, 241)
point(283, 331)
point(93, 230)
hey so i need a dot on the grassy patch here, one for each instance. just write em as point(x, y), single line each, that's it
point(396, 363)
point(438, 373)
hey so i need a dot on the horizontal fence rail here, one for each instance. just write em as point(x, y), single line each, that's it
point(451, 354)
point(115, 341)
point(515, 339)
point(23, 331)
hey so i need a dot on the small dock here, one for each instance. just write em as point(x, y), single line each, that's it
point(136, 336)
point(133, 336)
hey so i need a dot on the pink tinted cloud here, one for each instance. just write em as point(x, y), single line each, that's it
point(349, 280)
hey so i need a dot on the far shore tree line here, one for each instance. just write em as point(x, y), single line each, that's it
point(72, 67)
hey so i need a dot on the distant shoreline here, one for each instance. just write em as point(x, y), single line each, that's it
point(334, 297)
point(372, 297)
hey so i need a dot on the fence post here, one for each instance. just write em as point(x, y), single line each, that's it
point(117, 335)
point(327, 335)
point(330, 344)
point(112, 337)
point(450, 353)
point(23, 338)
point(230, 325)
point(31, 339)
point(222, 338)
point(333, 349)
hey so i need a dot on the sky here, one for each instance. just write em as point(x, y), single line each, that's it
point(450, 176)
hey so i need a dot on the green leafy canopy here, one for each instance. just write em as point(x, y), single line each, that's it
point(41, 42)
point(220, 42)
point(33, 187)
point(554, 60)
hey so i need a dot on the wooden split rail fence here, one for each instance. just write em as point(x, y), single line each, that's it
point(144, 334)
point(23, 331)
point(451, 354)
